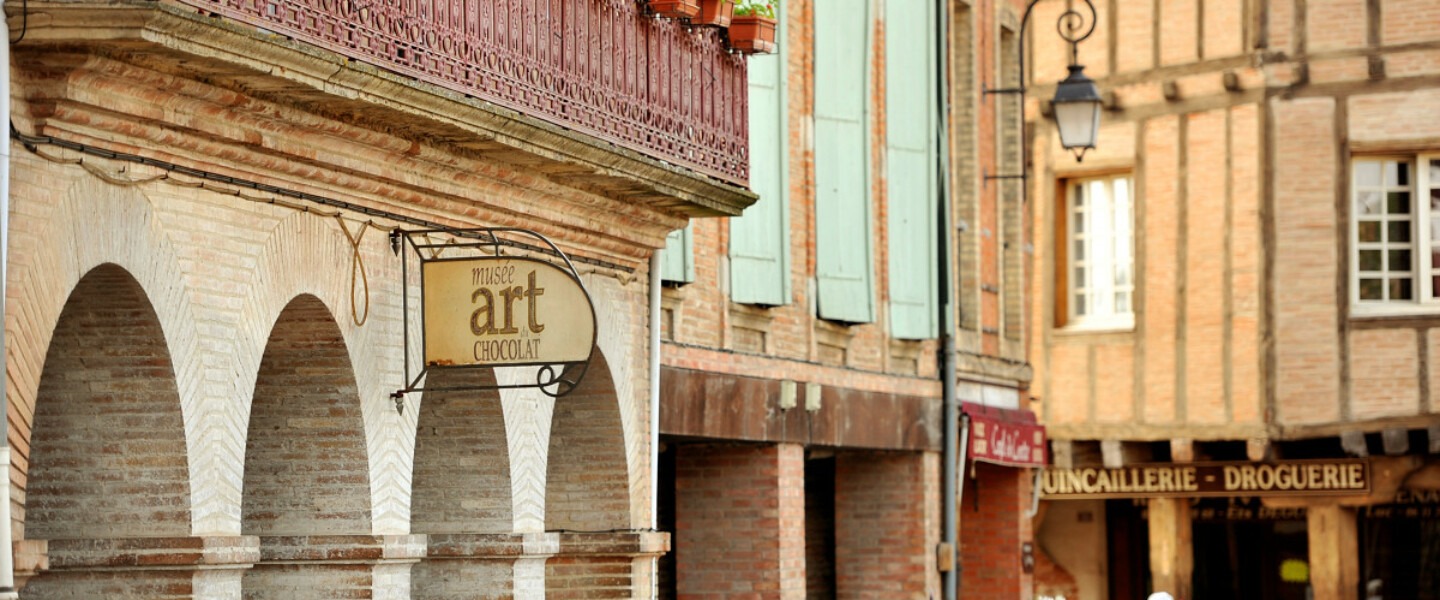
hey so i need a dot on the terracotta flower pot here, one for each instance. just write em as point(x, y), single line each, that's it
point(676, 9)
point(715, 12)
point(752, 35)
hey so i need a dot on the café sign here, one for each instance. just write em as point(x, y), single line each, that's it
point(1287, 478)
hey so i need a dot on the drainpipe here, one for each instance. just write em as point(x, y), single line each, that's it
point(7, 560)
point(950, 536)
point(655, 414)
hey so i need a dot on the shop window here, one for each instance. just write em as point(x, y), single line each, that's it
point(1095, 261)
point(1395, 234)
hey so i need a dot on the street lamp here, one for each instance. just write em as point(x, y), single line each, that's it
point(1077, 100)
point(1077, 112)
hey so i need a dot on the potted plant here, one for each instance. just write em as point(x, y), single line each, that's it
point(676, 9)
point(715, 12)
point(752, 30)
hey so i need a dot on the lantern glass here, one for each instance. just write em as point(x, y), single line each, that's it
point(1079, 122)
point(1077, 111)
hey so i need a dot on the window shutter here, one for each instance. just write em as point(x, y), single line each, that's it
point(842, 212)
point(677, 263)
point(910, 167)
point(760, 239)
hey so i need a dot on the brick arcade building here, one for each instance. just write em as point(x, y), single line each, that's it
point(204, 316)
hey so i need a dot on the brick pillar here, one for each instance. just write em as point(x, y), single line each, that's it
point(887, 524)
point(993, 526)
point(1172, 547)
point(740, 522)
point(1334, 552)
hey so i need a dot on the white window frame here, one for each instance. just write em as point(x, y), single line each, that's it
point(1425, 298)
point(1111, 318)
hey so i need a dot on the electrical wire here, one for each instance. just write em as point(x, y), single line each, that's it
point(33, 142)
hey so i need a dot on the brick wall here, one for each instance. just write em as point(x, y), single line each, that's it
point(462, 467)
point(740, 514)
point(992, 527)
point(886, 525)
point(1242, 179)
point(587, 476)
point(108, 455)
point(305, 460)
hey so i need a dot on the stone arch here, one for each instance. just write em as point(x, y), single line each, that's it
point(307, 255)
point(587, 475)
point(461, 481)
point(306, 466)
point(94, 224)
point(108, 451)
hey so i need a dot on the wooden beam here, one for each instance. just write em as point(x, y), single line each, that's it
point(1397, 441)
point(1353, 442)
point(1334, 552)
point(1182, 450)
point(1112, 453)
point(1172, 550)
point(1115, 454)
point(1257, 449)
point(1062, 453)
point(1387, 474)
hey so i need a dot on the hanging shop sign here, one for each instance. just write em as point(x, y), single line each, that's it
point(496, 297)
point(499, 311)
point(1004, 436)
point(1288, 478)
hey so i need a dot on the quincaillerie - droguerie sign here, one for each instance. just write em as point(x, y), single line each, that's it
point(1289, 478)
point(504, 311)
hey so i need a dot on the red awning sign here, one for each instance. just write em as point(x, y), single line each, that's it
point(1005, 437)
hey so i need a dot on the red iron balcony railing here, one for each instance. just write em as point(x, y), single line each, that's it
point(601, 67)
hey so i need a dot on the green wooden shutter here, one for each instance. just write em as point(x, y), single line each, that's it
point(677, 263)
point(760, 239)
point(910, 167)
point(842, 196)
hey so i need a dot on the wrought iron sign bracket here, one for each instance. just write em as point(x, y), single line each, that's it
point(483, 252)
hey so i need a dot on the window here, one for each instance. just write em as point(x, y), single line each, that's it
point(1099, 253)
point(1395, 233)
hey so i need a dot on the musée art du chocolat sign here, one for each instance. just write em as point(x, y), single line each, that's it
point(501, 311)
point(1286, 478)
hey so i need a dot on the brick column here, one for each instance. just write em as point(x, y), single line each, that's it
point(740, 522)
point(887, 524)
point(1172, 547)
point(1334, 552)
point(993, 526)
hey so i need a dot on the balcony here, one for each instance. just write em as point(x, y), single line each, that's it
point(597, 94)
point(601, 67)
